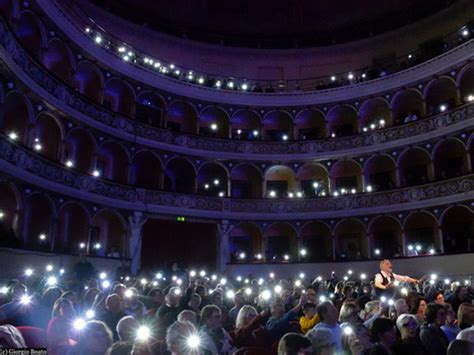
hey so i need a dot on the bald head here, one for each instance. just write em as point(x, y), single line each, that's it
point(127, 328)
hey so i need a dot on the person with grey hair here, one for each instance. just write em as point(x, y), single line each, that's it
point(167, 313)
point(409, 343)
point(10, 337)
point(322, 341)
point(211, 324)
point(466, 334)
point(188, 316)
point(279, 323)
point(401, 307)
point(127, 328)
point(460, 347)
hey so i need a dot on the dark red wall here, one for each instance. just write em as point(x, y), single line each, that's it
point(189, 244)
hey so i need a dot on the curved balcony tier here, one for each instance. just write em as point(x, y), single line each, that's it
point(21, 163)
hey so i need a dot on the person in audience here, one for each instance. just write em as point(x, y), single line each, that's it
point(418, 309)
point(465, 315)
point(120, 348)
point(432, 337)
point(188, 316)
point(349, 314)
point(466, 334)
point(94, 338)
point(439, 298)
point(450, 328)
point(401, 307)
point(328, 320)
point(460, 347)
point(211, 320)
point(294, 343)
point(409, 342)
point(60, 325)
point(18, 311)
point(133, 306)
point(239, 301)
point(279, 322)
point(114, 312)
point(183, 338)
point(355, 339)
point(383, 335)
point(310, 317)
point(322, 341)
point(167, 314)
point(127, 328)
point(248, 321)
point(460, 295)
point(10, 337)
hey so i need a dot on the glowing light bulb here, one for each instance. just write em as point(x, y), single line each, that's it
point(13, 136)
point(106, 284)
point(322, 298)
point(143, 333)
point(28, 272)
point(303, 252)
point(286, 257)
point(272, 275)
point(52, 281)
point(194, 341)
point(230, 294)
point(42, 236)
point(278, 289)
point(248, 291)
point(82, 245)
point(96, 173)
point(266, 295)
point(128, 293)
point(90, 314)
point(363, 276)
point(49, 267)
point(98, 39)
point(223, 281)
point(79, 324)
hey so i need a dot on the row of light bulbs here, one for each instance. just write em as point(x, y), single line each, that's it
point(128, 55)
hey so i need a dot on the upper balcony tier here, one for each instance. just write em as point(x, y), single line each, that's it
point(240, 70)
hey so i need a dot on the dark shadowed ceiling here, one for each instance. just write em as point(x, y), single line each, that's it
point(274, 23)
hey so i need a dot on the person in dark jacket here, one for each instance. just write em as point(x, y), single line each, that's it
point(113, 314)
point(167, 314)
point(432, 337)
point(279, 323)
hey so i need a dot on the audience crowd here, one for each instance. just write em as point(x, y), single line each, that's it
point(88, 311)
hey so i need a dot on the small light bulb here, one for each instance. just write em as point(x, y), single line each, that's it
point(28, 272)
point(13, 136)
point(49, 267)
point(278, 289)
point(90, 314)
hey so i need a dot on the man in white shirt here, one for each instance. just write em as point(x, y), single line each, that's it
point(385, 278)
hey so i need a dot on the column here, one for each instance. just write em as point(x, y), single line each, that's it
point(223, 230)
point(439, 242)
point(137, 220)
point(54, 234)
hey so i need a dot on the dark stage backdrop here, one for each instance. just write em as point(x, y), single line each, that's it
point(187, 243)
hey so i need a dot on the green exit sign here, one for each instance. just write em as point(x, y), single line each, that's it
point(180, 219)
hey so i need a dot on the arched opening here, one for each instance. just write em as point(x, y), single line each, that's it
point(150, 109)
point(113, 162)
point(80, 148)
point(310, 125)
point(380, 172)
point(407, 106)
point(281, 240)
point(313, 180)
point(48, 133)
point(214, 122)
point(88, 81)
point(351, 240)
point(346, 176)
point(73, 228)
point(38, 221)
point(246, 238)
point(146, 171)
point(277, 126)
point(109, 230)
point(342, 121)
point(466, 83)
point(9, 209)
point(30, 33)
point(386, 236)
point(212, 180)
point(15, 116)
point(58, 59)
point(279, 181)
point(375, 113)
point(182, 117)
point(180, 176)
point(458, 230)
point(119, 97)
point(421, 228)
point(246, 181)
point(246, 124)
point(440, 95)
point(450, 159)
point(318, 242)
point(414, 166)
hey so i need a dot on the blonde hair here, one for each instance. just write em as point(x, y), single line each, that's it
point(243, 314)
point(464, 313)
